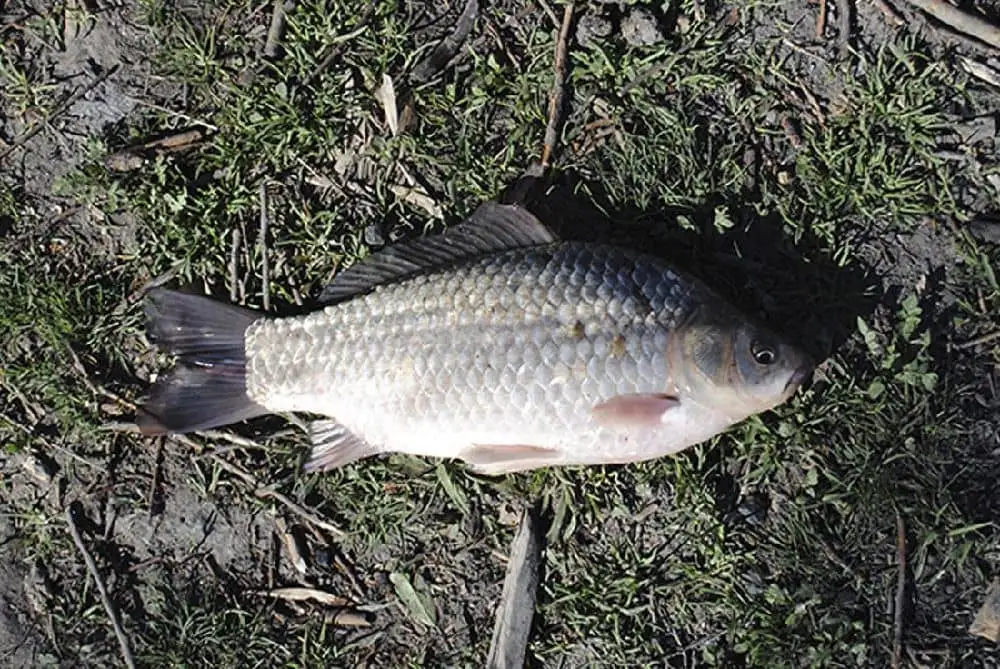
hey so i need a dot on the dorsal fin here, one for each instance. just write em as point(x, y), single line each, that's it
point(492, 227)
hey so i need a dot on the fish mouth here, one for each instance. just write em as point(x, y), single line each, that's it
point(798, 377)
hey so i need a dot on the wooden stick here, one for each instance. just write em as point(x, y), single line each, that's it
point(984, 339)
point(265, 279)
point(262, 492)
point(445, 50)
point(890, 13)
point(548, 10)
point(234, 263)
point(95, 387)
point(844, 7)
point(109, 606)
point(154, 484)
point(300, 511)
point(274, 33)
point(960, 21)
point(821, 20)
point(979, 71)
point(897, 645)
point(556, 98)
point(516, 610)
point(235, 439)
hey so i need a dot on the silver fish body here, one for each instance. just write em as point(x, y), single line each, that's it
point(553, 353)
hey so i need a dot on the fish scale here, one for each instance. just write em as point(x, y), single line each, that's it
point(494, 343)
point(479, 346)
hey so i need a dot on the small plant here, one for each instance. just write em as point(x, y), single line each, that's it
point(902, 354)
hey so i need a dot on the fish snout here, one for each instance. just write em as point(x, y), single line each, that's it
point(798, 377)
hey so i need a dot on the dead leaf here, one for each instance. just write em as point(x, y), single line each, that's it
point(408, 116)
point(419, 607)
point(987, 621)
point(980, 71)
point(291, 545)
point(348, 619)
point(386, 95)
point(418, 197)
point(296, 594)
point(37, 468)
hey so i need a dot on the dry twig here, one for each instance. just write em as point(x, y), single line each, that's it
point(548, 10)
point(821, 20)
point(155, 505)
point(109, 606)
point(961, 21)
point(234, 263)
point(94, 387)
point(516, 610)
point(897, 645)
point(134, 156)
point(890, 13)
point(446, 49)
point(281, 8)
point(297, 594)
point(844, 8)
point(300, 511)
point(236, 439)
point(556, 98)
point(265, 493)
point(984, 339)
point(265, 278)
point(980, 71)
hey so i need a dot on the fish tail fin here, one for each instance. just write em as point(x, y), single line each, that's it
point(207, 388)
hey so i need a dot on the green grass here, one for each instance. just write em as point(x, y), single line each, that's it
point(773, 545)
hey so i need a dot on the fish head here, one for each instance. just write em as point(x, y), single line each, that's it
point(725, 360)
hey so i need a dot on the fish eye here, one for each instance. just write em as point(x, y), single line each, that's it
point(764, 355)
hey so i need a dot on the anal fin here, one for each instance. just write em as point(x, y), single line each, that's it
point(499, 459)
point(334, 446)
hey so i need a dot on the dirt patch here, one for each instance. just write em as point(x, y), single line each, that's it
point(21, 638)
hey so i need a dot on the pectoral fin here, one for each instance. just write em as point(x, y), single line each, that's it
point(333, 446)
point(640, 410)
point(499, 459)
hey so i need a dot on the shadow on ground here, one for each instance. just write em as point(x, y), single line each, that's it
point(794, 287)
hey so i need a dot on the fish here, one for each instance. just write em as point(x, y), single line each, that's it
point(494, 343)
